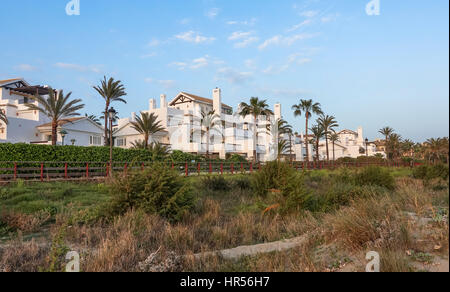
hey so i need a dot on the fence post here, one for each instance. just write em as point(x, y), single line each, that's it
point(251, 167)
point(42, 172)
point(143, 166)
point(125, 169)
point(66, 176)
point(186, 168)
point(199, 168)
point(15, 170)
point(221, 168)
point(210, 168)
point(232, 168)
point(87, 170)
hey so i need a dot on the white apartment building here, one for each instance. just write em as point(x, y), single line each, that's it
point(30, 126)
point(182, 120)
point(351, 144)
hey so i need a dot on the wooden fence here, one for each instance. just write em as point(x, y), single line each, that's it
point(47, 171)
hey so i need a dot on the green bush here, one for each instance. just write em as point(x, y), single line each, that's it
point(236, 158)
point(242, 183)
point(429, 172)
point(215, 183)
point(157, 190)
point(274, 175)
point(375, 176)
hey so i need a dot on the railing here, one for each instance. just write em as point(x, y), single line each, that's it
point(48, 171)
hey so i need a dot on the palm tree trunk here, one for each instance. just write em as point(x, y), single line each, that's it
point(328, 153)
point(207, 143)
point(54, 132)
point(306, 139)
point(334, 155)
point(255, 142)
point(290, 148)
point(146, 137)
point(106, 125)
point(317, 151)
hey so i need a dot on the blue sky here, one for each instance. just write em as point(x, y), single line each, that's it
point(370, 71)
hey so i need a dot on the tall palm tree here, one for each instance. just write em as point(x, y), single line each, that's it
point(394, 145)
point(308, 107)
point(57, 107)
point(147, 125)
point(210, 122)
point(319, 133)
point(93, 118)
point(255, 108)
point(328, 124)
point(334, 138)
point(3, 117)
point(407, 147)
point(111, 91)
point(386, 132)
point(433, 149)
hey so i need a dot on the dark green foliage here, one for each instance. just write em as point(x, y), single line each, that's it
point(273, 175)
point(157, 190)
point(236, 158)
point(375, 176)
point(429, 172)
point(242, 183)
point(215, 183)
point(179, 156)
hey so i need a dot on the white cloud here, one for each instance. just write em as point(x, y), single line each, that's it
point(80, 68)
point(213, 13)
point(250, 63)
point(166, 84)
point(197, 63)
point(280, 40)
point(250, 22)
point(194, 37)
point(330, 18)
point(309, 13)
point(246, 38)
point(300, 25)
point(233, 76)
point(25, 67)
point(238, 35)
point(154, 43)
point(294, 59)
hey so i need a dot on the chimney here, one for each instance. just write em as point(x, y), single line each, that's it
point(163, 101)
point(360, 135)
point(152, 104)
point(217, 101)
point(278, 111)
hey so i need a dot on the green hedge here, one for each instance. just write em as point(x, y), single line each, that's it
point(46, 153)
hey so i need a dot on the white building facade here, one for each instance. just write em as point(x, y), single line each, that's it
point(182, 121)
point(33, 127)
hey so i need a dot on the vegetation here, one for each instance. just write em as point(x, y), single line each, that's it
point(58, 108)
point(256, 108)
point(111, 91)
point(3, 117)
point(210, 122)
point(147, 125)
point(308, 108)
point(328, 123)
point(340, 214)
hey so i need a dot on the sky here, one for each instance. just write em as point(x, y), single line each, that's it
point(373, 71)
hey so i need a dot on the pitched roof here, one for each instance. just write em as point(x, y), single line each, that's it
point(348, 132)
point(9, 81)
point(63, 122)
point(198, 98)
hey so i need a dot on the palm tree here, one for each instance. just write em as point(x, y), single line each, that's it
point(209, 122)
point(93, 118)
point(407, 147)
point(394, 145)
point(386, 132)
point(308, 107)
point(3, 117)
point(283, 146)
point(147, 125)
point(57, 107)
point(333, 139)
point(328, 124)
point(255, 109)
point(111, 91)
point(318, 133)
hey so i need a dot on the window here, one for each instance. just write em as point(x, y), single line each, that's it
point(121, 142)
point(95, 140)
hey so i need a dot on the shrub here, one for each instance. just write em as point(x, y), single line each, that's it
point(375, 176)
point(429, 172)
point(243, 183)
point(236, 158)
point(274, 175)
point(157, 190)
point(215, 183)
